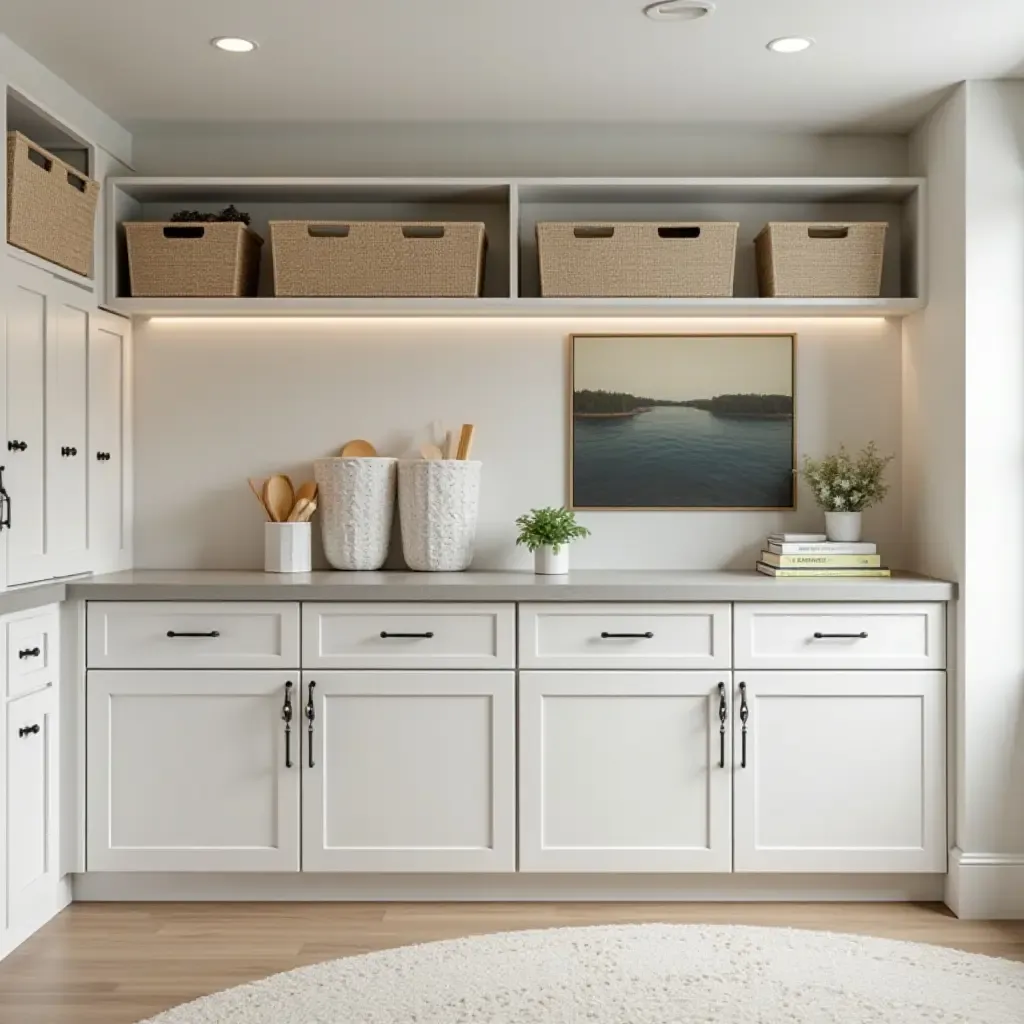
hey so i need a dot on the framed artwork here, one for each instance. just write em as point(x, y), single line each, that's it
point(683, 421)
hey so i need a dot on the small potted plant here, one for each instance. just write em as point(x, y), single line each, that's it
point(548, 532)
point(844, 485)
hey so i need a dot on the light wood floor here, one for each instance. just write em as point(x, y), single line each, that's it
point(118, 963)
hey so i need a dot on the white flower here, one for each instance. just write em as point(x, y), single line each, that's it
point(855, 496)
point(825, 492)
point(843, 484)
point(839, 501)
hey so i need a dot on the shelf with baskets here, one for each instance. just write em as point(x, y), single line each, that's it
point(509, 211)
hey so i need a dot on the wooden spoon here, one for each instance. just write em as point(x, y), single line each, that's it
point(358, 449)
point(279, 498)
point(307, 490)
point(431, 451)
point(307, 513)
point(295, 516)
point(465, 441)
point(257, 488)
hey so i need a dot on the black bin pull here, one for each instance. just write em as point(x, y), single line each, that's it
point(628, 636)
point(212, 635)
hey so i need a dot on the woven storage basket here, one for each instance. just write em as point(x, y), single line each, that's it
point(51, 206)
point(674, 260)
point(378, 259)
point(816, 260)
point(186, 260)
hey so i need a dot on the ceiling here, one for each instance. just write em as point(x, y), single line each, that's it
point(876, 64)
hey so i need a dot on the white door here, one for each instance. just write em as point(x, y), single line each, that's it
point(24, 454)
point(843, 771)
point(66, 428)
point(32, 806)
point(409, 771)
point(624, 771)
point(192, 771)
point(105, 459)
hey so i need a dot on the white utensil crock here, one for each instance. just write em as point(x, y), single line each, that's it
point(439, 502)
point(843, 526)
point(356, 504)
point(286, 547)
point(548, 562)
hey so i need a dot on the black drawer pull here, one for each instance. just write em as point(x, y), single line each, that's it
point(28, 730)
point(68, 452)
point(627, 636)
point(406, 636)
point(16, 446)
point(840, 636)
point(30, 652)
point(103, 456)
point(213, 634)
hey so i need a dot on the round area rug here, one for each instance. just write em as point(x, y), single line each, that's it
point(643, 974)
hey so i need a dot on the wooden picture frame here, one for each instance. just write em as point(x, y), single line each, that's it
point(646, 434)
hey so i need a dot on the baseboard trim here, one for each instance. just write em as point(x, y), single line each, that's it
point(125, 886)
point(985, 886)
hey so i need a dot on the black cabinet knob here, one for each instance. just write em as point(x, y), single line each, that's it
point(28, 730)
point(103, 456)
point(16, 446)
point(29, 652)
point(69, 452)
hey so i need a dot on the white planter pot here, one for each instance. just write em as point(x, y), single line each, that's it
point(287, 546)
point(356, 505)
point(439, 502)
point(843, 526)
point(547, 563)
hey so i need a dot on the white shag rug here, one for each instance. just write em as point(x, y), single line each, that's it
point(642, 974)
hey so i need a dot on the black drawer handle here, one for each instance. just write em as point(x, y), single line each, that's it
point(213, 634)
point(406, 636)
point(28, 730)
point(30, 652)
point(103, 456)
point(840, 636)
point(627, 636)
point(16, 446)
point(68, 452)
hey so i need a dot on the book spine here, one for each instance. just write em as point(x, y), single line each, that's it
point(826, 561)
point(771, 570)
point(822, 549)
point(797, 538)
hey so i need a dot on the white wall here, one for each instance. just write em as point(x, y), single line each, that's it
point(219, 401)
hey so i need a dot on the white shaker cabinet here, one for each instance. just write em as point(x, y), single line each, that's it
point(840, 772)
point(409, 771)
point(624, 771)
point(192, 771)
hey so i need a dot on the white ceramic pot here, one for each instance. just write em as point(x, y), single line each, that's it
point(843, 526)
point(356, 505)
point(439, 502)
point(287, 546)
point(548, 562)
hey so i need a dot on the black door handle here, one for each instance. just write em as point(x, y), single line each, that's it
point(723, 714)
point(5, 503)
point(744, 715)
point(627, 636)
point(29, 652)
point(407, 636)
point(28, 730)
point(69, 452)
point(310, 717)
point(211, 635)
point(840, 636)
point(103, 456)
point(286, 715)
point(16, 446)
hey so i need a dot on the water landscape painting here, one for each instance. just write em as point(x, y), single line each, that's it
point(683, 422)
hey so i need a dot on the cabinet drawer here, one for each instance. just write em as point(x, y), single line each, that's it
point(471, 636)
point(192, 634)
point(656, 636)
point(820, 636)
point(33, 650)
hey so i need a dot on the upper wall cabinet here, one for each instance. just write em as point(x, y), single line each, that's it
point(510, 210)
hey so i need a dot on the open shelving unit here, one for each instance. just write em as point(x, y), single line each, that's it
point(510, 209)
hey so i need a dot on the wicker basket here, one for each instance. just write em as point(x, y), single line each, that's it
point(812, 260)
point(378, 259)
point(637, 260)
point(185, 260)
point(51, 206)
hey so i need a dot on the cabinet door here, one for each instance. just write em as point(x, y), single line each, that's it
point(32, 806)
point(844, 771)
point(624, 771)
point(409, 771)
point(190, 771)
point(24, 455)
point(66, 430)
point(105, 458)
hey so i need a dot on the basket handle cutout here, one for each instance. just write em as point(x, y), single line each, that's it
point(593, 231)
point(328, 230)
point(192, 231)
point(40, 159)
point(679, 232)
point(423, 231)
point(76, 182)
point(828, 232)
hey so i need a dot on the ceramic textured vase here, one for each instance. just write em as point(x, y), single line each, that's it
point(842, 526)
point(548, 562)
point(356, 504)
point(438, 502)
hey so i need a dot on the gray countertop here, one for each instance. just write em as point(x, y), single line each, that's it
point(583, 585)
point(37, 595)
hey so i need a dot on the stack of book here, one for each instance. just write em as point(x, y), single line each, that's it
point(809, 555)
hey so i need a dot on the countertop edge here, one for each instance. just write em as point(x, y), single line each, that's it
point(38, 595)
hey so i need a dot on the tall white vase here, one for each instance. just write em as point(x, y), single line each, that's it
point(843, 526)
point(356, 505)
point(438, 502)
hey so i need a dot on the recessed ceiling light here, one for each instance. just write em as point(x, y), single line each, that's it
point(790, 44)
point(679, 10)
point(233, 44)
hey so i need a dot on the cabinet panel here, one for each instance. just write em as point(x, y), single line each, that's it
point(844, 771)
point(33, 650)
point(624, 771)
point(188, 771)
point(410, 771)
point(32, 806)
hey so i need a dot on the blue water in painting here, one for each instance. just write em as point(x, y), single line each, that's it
point(676, 457)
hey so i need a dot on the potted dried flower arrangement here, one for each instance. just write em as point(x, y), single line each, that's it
point(844, 485)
